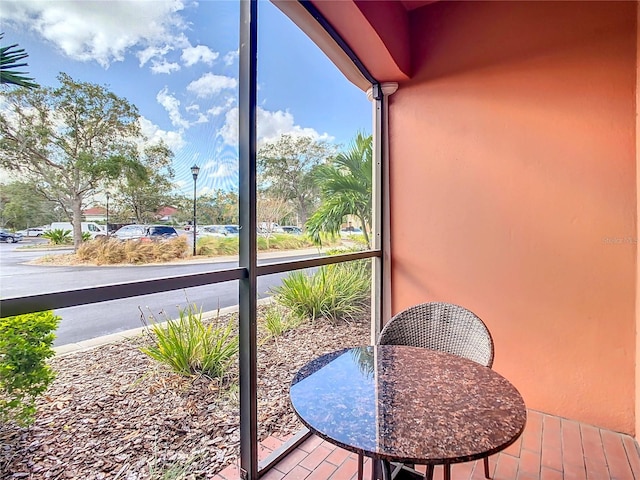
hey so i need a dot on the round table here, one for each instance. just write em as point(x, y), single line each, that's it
point(408, 404)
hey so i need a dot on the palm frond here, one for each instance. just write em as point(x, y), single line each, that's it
point(11, 58)
point(346, 186)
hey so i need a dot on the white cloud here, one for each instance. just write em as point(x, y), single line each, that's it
point(231, 57)
point(181, 184)
point(198, 116)
point(152, 52)
point(164, 67)
point(100, 31)
point(220, 170)
point(172, 105)
point(229, 131)
point(202, 118)
point(174, 140)
point(218, 109)
point(271, 125)
point(209, 84)
point(192, 55)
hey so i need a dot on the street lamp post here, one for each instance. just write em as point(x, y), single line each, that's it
point(195, 170)
point(107, 193)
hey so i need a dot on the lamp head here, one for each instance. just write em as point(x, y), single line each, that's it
point(195, 170)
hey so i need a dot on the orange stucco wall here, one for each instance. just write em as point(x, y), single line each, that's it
point(513, 191)
point(638, 226)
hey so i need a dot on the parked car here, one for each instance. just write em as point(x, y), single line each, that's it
point(349, 231)
point(129, 232)
point(232, 230)
point(7, 236)
point(291, 230)
point(33, 232)
point(145, 232)
point(160, 232)
point(212, 231)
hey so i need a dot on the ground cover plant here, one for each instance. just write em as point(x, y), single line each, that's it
point(277, 320)
point(113, 412)
point(189, 346)
point(338, 291)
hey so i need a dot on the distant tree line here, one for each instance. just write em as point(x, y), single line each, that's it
point(70, 145)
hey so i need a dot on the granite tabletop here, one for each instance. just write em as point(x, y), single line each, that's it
point(408, 404)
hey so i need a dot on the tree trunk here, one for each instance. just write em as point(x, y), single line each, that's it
point(76, 208)
point(303, 216)
point(365, 228)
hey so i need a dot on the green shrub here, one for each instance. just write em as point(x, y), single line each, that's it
point(360, 241)
point(339, 291)
point(283, 241)
point(189, 347)
point(229, 245)
point(277, 320)
point(25, 344)
point(342, 249)
point(59, 236)
point(209, 246)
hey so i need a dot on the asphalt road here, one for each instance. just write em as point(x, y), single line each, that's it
point(90, 321)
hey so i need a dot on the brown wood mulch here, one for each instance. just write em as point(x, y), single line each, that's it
point(114, 413)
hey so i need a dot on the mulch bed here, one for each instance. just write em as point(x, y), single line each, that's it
point(114, 413)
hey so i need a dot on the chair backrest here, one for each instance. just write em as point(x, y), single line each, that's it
point(441, 326)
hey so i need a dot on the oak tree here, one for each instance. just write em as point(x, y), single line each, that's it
point(68, 141)
point(286, 167)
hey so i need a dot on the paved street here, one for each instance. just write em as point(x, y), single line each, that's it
point(90, 321)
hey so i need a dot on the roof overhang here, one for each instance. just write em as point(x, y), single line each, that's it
point(376, 31)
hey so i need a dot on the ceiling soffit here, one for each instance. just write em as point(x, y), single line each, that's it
point(377, 32)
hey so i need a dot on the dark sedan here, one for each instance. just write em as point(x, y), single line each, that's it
point(7, 236)
point(145, 232)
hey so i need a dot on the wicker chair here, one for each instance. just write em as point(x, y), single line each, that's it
point(444, 327)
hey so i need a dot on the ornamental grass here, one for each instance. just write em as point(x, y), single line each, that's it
point(110, 251)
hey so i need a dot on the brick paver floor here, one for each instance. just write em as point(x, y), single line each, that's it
point(551, 448)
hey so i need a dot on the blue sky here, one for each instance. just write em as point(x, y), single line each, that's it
point(177, 62)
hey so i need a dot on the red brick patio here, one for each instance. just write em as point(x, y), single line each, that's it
point(551, 448)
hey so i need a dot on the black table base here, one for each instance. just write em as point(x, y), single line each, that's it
point(394, 471)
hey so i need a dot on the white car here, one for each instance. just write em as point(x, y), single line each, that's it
point(33, 232)
point(129, 232)
point(212, 231)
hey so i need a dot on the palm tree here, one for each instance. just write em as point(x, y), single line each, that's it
point(9, 58)
point(345, 185)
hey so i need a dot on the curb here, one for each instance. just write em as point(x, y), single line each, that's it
point(230, 258)
point(125, 334)
point(91, 343)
